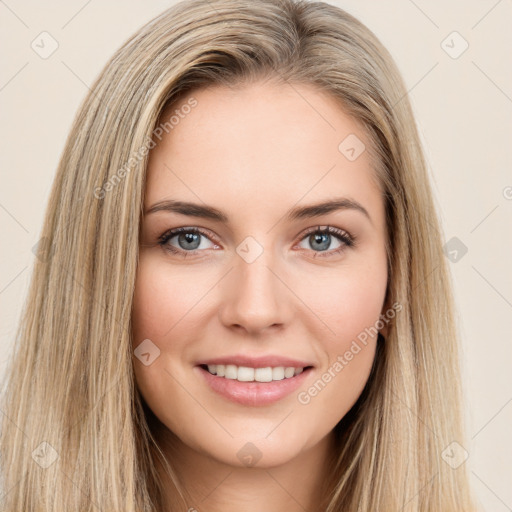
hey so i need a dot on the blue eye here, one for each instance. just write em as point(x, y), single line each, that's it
point(320, 239)
point(190, 240)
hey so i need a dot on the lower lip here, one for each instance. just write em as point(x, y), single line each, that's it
point(254, 394)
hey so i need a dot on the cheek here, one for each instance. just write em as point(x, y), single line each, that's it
point(352, 312)
point(162, 308)
point(163, 300)
point(347, 300)
point(354, 306)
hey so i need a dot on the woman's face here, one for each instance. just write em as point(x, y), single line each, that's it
point(244, 168)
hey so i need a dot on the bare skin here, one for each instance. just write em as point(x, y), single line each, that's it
point(254, 153)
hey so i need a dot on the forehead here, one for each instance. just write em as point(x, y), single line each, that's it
point(258, 146)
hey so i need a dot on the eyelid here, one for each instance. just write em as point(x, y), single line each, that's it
point(331, 230)
point(347, 240)
point(171, 233)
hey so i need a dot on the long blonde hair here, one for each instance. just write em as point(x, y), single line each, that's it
point(75, 432)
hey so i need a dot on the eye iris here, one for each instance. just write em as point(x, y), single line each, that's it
point(189, 238)
point(319, 238)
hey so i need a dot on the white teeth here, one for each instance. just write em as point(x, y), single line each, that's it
point(289, 372)
point(247, 374)
point(231, 371)
point(278, 373)
point(263, 374)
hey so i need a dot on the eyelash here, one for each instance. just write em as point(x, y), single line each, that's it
point(347, 240)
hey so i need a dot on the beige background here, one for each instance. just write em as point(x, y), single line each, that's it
point(464, 111)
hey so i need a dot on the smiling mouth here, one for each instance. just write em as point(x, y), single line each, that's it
point(248, 374)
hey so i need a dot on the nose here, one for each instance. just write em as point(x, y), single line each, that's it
point(256, 299)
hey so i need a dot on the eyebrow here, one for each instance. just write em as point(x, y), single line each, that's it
point(300, 212)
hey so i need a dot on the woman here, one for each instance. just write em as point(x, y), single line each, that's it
point(241, 300)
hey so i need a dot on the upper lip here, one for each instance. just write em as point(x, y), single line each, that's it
point(257, 361)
